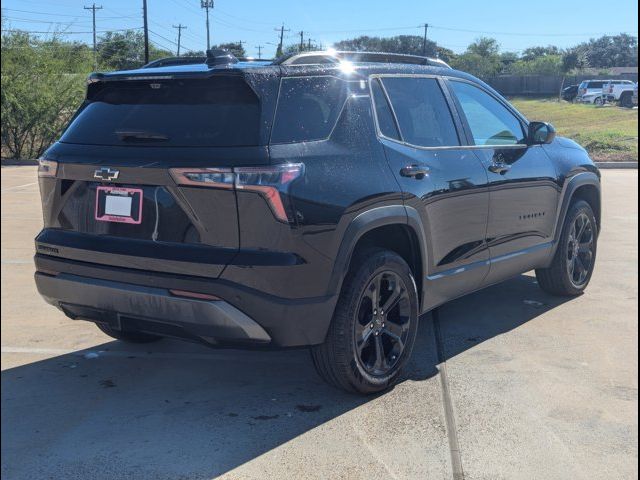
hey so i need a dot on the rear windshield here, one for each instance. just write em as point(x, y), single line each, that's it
point(308, 108)
point(216, 112)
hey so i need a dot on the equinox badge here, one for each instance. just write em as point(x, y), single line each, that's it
point(105, 173)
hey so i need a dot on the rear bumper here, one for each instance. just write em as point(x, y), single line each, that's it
point(123, 306)
point(131, 298)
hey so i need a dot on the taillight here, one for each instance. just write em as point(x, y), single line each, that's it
point(47, 168)
point(203, 177)
point(269, 181)
point(611, 89)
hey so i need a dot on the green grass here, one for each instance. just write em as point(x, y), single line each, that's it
point(609, 133)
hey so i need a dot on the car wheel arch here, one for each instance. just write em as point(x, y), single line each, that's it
point(377, 223)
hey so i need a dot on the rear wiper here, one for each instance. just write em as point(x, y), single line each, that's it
point(126, 135)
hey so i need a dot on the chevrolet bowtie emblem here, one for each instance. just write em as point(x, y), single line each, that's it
point(105, 173)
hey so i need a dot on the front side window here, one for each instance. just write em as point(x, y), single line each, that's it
point(308, 108)
point(423, 115)
point(491, 123)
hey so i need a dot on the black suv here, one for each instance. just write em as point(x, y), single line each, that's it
point(324, 200)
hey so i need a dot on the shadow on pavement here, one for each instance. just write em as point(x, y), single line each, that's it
point(184, 411)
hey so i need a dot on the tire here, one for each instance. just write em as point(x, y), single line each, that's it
point(128, 336)
point(366, 348)
point(572, 265)
point(625, 100)
point(598, 101)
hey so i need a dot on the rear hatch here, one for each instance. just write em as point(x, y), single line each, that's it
point(109, 188)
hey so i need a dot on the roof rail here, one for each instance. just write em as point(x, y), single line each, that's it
point(171, 61)
point(332, 56)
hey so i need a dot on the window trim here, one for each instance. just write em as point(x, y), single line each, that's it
point(340, 112)
point(459, 119)
point(461, 134)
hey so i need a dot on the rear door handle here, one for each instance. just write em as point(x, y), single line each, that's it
point(500, 168)
point(416, 171)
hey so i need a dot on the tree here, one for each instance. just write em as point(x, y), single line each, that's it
point(606, 51)
point(481, 59)
point(125, 50)
point(407, 44)
point(533, 53)
point(235, 48)
point(543, 65)
point(485, 47)
point(43, 83)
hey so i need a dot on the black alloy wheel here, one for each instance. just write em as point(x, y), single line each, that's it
point(382, 325)
point(580, 250)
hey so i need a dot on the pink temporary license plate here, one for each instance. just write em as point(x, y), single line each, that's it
point(117, 204)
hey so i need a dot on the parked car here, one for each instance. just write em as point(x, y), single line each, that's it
point(620, 92)
point(570, 93)
point(321, 204)
point(590, 91)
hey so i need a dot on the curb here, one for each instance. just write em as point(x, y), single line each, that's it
point(608, 165)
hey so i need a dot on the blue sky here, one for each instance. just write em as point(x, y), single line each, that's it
point(454, 23)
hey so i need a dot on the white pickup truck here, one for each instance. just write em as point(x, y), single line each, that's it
point(619, 91)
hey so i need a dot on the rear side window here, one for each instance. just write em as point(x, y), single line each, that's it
point(422, 111)
point(595, 85)
point(308, 108)
point(386, 123)
point(491, 123)
point(222, 111)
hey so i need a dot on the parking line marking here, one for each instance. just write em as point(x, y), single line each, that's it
point(16, 262)
point(452, 432)
point(8, 189)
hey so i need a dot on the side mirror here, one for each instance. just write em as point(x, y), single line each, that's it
point(541, 133)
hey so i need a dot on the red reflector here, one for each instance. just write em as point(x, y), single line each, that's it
point(199, 296)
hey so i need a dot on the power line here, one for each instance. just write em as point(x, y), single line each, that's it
point(282, 30)
point(17, 30)
point(93, 9)
point(424, 41)
point(207, 4)
point(180, 27)
point(145, 24)
point(62, 14)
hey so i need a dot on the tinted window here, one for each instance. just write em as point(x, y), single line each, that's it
point(422, 111)
point(491, 123)
point(308, 108)
point(213, 112)
point(595, 85)
point(386, 123)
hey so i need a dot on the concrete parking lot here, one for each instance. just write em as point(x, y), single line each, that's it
point(507, 383)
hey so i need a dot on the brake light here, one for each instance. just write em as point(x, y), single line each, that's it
point(269, 181)
point(203, 177)
point(47, 168)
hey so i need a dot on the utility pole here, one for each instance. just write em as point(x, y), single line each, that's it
point(207, 5)
point(259, 47)
point(424, 41)
point(240, 46)
point(146, 31)
point(282, 30)
point(180, 27)
point(309, 44)
point(301, 33)
point(93, 9)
